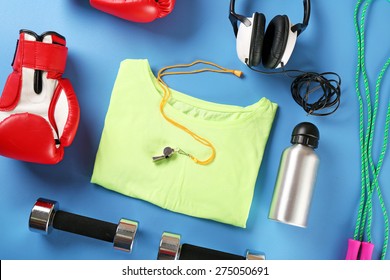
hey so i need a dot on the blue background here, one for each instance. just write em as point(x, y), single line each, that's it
point(200, 29)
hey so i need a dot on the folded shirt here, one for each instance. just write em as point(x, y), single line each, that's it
point(135, 131)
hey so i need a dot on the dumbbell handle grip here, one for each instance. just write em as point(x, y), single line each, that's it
point(192, 252)
point(86, 226)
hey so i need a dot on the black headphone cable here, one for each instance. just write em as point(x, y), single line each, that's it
point(307, 83)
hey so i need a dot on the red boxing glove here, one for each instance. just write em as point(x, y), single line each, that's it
point(135, 10)
point(39, 111)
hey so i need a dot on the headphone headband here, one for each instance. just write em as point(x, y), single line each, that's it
point(299, 27)
point(233, 17)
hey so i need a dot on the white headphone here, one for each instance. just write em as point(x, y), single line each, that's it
point(272, 46)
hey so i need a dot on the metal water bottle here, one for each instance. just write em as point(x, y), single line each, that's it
point(296, 177)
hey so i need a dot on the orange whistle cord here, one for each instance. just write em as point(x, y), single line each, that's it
point(167, 94)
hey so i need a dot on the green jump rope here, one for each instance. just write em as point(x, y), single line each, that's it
point(357, 247)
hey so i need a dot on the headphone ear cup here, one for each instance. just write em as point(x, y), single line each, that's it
point(275, 41)
point(257, 38)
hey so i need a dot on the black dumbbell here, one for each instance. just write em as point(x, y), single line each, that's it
point(45, 216)
point(171, 249)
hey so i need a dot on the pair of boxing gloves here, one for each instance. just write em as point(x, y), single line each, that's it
point(135, 10)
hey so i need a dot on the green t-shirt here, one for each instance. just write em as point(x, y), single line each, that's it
point(135, 131)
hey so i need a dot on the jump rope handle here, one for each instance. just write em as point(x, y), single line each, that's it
point(366, 251)
point(355, 247)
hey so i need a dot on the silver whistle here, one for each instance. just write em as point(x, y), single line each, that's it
point(167, 153)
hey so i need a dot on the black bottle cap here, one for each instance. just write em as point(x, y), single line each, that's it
point(306, 134)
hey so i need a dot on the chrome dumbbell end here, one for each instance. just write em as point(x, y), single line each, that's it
point(42, 215)
point(125, 235)
point(254, 255)
point(169, 248)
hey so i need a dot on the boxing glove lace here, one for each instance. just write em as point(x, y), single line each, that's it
point(135, 10)
point(39, 111)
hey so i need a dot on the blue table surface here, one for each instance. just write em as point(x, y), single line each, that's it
point(200, 29)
